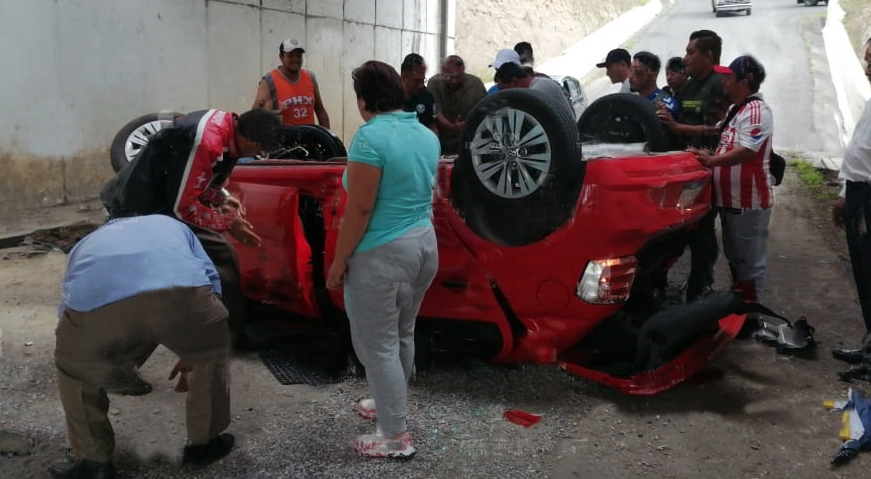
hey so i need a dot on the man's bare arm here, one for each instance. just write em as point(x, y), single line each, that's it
point(263, 98)
point(320, 111)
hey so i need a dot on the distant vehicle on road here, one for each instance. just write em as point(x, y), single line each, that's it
point(718, 6)
point(811, 3)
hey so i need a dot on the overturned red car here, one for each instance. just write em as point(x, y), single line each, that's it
point(550, 232)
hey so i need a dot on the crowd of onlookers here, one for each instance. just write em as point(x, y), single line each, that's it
point(168, 212)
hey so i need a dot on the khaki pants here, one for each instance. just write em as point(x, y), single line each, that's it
point(190, 322)
point(221, 252)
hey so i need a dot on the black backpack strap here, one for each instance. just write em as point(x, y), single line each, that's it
point(271, 84)
point(734, 111)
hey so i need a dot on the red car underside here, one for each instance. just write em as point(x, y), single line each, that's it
point(497, 303)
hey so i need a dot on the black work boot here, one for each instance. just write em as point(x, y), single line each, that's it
point(83, 469)
point(203, 454)
point(852, 356)
point(125, 381)
point(859, 371)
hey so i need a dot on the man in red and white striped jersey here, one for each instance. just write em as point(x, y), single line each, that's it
point(743, 184)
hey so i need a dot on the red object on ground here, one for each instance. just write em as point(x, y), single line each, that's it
point(517, 416)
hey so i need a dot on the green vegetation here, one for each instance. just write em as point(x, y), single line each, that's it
point(816, 180)
point(857, 14)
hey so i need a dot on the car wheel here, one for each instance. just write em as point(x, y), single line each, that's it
point(133, 136)
point(748, 11)
point(518, 177)
point(623, 118)
point(308, 142)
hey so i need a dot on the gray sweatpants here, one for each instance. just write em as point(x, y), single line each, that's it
point(745, 244)
point(384, 287)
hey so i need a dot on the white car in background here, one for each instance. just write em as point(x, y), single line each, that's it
point(574, 91)
point(718, 6)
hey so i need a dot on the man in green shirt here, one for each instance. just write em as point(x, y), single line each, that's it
point(455, 93)
point(702, 104)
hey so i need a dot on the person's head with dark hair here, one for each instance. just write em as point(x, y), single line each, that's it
point(702, 53)
point(647, 60)
point(453, 70)
point(868, 59)
point(257, 130)
point(524, 49)
point(512, 75)
point(674, 64)
point(742, 77)
point(675, 75)
point(378, 88)
point(643, 72)
point(413, 74)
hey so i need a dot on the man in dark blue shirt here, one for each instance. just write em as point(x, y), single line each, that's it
point(137, 281)
point(417, 98)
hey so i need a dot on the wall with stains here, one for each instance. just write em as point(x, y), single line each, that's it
point(77, 70)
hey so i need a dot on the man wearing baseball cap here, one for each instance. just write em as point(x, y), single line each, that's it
point(503, 56)
point(743, 185)
point(291, 89)
point(617, 68)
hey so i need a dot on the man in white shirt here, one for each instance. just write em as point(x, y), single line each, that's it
point(851, 211)
point(617, 67)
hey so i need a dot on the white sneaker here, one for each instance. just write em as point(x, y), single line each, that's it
point(376, 445)
point(366, 409)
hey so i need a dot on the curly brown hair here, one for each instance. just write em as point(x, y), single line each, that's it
point(379, 86)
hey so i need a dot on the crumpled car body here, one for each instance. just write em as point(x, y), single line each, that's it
point(576, 299)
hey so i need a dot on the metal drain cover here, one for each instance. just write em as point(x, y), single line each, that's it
point(289, 368)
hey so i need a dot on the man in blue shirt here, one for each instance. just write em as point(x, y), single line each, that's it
point(642, 79)
point(130, 285)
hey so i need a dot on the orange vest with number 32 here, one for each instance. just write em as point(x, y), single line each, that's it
point(295, 101)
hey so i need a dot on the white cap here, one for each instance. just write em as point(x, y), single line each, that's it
point(291, 44)
point(506, 55)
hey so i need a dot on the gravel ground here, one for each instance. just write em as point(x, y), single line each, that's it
point(282, 431)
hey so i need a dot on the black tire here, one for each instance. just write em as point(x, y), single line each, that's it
point(133, 136)
point(748, 12)
point(623, 118)
point(309, 142)
point(540, 166)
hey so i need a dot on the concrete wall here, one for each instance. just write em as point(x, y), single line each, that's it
point(77, 70)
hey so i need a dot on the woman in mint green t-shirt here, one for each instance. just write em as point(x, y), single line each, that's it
point(386, 253)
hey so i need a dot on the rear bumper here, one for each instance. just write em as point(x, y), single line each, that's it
point(732, 7)
point(692, 360)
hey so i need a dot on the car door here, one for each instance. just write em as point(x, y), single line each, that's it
point(279, 273)
point(577, 97)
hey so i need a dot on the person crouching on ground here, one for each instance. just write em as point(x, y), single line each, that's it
point(135, 281)
point(386, 254)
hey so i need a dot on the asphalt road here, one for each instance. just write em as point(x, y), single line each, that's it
point(783, 35)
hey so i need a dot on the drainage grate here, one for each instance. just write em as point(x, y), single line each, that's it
point(289, 368)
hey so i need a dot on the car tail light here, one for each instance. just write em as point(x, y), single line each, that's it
point(607, 281)
point(677, 195)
